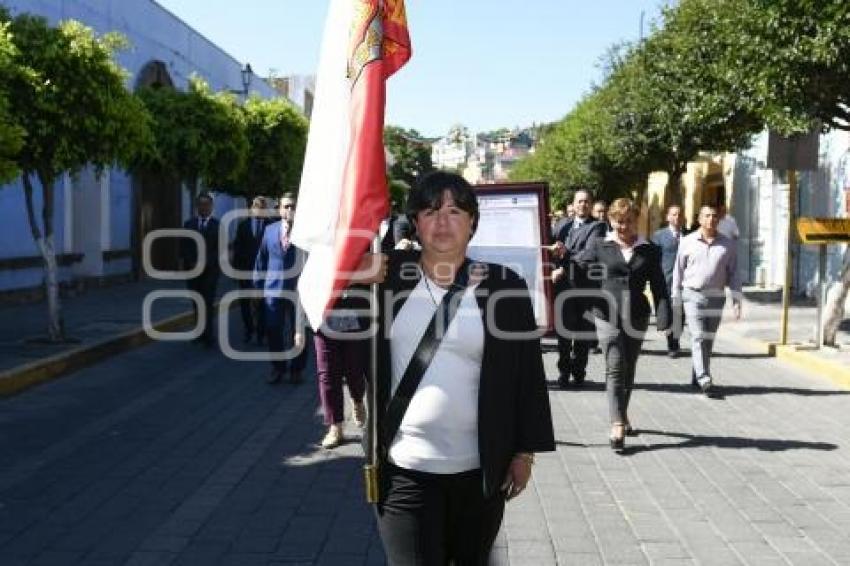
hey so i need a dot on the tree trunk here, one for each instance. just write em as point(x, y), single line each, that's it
point(45, 242)
point(193, 186)
point(673, 190)
point(834, 308)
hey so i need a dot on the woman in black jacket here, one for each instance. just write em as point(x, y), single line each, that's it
point(466, 441)
point(621, 264)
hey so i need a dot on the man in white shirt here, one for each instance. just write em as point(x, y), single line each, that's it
point(706, 263)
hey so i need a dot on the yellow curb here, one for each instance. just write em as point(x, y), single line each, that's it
point(837, 373)
point(17, 379)
point(832, 371)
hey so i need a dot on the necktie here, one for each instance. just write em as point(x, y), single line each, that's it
point(203, 224)
point(256, 228)
point(284, 235)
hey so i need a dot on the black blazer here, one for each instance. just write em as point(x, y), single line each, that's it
point(246, 244)
point(513, 400)
point(189, 250)
point(576, 238)
point(625, 282)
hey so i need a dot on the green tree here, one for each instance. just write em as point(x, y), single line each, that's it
point(277, 138)
point(583, 151)
point(411, 154)
point(11, 134)
point(199, 136)
point(72, 102)
point(789, 59)
point(674, 97)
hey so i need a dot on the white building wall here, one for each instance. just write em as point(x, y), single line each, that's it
point(760, 205)
point(154, 34)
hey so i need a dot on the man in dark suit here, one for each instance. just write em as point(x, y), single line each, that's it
point(206, 282)
point(667, 239)
point(276, 272)
point(246, 244)
point(570, 276)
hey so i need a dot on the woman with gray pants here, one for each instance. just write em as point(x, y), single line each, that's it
point(621, 264)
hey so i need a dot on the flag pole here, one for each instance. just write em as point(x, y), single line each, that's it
point(370, 469)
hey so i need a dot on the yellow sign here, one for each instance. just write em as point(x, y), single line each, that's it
point(823, 230)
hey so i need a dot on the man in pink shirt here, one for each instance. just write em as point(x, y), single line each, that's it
point(706, 264)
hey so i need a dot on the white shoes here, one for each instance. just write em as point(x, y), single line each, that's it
point(334, 437)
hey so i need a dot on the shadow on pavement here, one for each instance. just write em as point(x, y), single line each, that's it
point(587, 385)
point(734, 442)
point(728, 390)
point(686, 354)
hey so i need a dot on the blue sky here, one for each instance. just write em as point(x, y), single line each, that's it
point(482, 63)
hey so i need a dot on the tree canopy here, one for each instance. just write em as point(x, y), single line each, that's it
point(410, 152)
point(69, 96)
point(199, 136)
point(661, 102)
point(791, 60)
point(71, 99)
point(277, 139)
point(11, 134)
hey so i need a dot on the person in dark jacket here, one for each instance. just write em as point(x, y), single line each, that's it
point(246, 244)
point(621, 264)
point(667, 239)
point(466, 442)
point(575, 330)
point(276, 271)
point(206, 282)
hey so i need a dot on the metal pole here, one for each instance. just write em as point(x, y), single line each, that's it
point(370, 469)
point(789, 252)
point(820, 289)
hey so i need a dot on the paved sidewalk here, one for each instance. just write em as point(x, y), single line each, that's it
point(171, 454)
point(759, 476)
point(762, 319)
point(101, 314)
point(91, 317)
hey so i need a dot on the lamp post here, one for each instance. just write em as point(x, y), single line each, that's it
point(247, 77)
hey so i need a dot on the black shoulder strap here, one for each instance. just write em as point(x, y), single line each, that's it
point(423, 355)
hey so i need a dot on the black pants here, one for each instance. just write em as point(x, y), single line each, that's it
point(280, 332)
point(573, 347)
point(253, 313)
point(205, 284)
point(677, 327)
point(435, 519)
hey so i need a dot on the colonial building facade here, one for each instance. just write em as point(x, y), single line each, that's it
point(100, 222)
point(757, 197)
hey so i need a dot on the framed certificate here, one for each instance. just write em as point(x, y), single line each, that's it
point(512, 230)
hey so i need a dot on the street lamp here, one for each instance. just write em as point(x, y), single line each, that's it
point(247, 76)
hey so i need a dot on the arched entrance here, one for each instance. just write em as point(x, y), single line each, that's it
point(157, 197)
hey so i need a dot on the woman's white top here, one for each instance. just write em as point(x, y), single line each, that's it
point(439, 431)
point(628, 251)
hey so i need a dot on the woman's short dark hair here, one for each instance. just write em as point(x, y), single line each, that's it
point(428, 195)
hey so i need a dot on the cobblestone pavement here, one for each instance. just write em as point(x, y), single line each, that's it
point(172, 454)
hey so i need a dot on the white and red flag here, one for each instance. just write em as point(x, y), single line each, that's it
point(343, 194)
